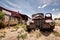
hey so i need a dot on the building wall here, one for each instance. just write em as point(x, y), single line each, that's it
point(13, 21)
point(8, 19)
point(6, 12)
point(12, 18)
point(6, 16)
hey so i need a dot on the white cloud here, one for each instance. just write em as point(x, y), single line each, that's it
point(21, 5)
point(49, 2)
point(3, 4)
point(43, 6)
point(44, 1)
point(55, 3)
point(7, 7)
point(55, 9)
point(12, 4)
point(39, 6)
point(56, 16)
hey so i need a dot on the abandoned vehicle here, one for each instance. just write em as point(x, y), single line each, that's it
point(39, 21)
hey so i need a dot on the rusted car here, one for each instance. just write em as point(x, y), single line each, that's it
point(48, 22)
point(39, 21)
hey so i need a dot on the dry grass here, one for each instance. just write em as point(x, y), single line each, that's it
point(23, 25)
point(22, 35)
point(2, 34)
point(56, 33)
point(16, 27)
point(57, 22)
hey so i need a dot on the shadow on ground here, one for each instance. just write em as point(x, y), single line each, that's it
point(46, 33)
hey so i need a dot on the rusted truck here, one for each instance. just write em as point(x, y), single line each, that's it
point(41, 21)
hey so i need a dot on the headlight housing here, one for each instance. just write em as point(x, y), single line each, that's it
point(48, 21)
point(32, 21)
point(28, 22)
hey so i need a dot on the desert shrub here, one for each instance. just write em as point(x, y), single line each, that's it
point(16, 27)
point(23, 36)
point(1, 19)
point(23, 25)
point(1, 15)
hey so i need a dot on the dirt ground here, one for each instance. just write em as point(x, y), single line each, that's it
point(12, 34)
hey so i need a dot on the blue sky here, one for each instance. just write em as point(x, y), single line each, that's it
point(30, 7)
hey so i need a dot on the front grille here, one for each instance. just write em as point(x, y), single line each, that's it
point(38, 23)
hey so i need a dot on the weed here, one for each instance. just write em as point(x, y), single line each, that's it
point(23, 25)
point(16, 27)
point(23, 36)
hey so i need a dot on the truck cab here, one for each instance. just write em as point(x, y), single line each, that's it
point(39, 21)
